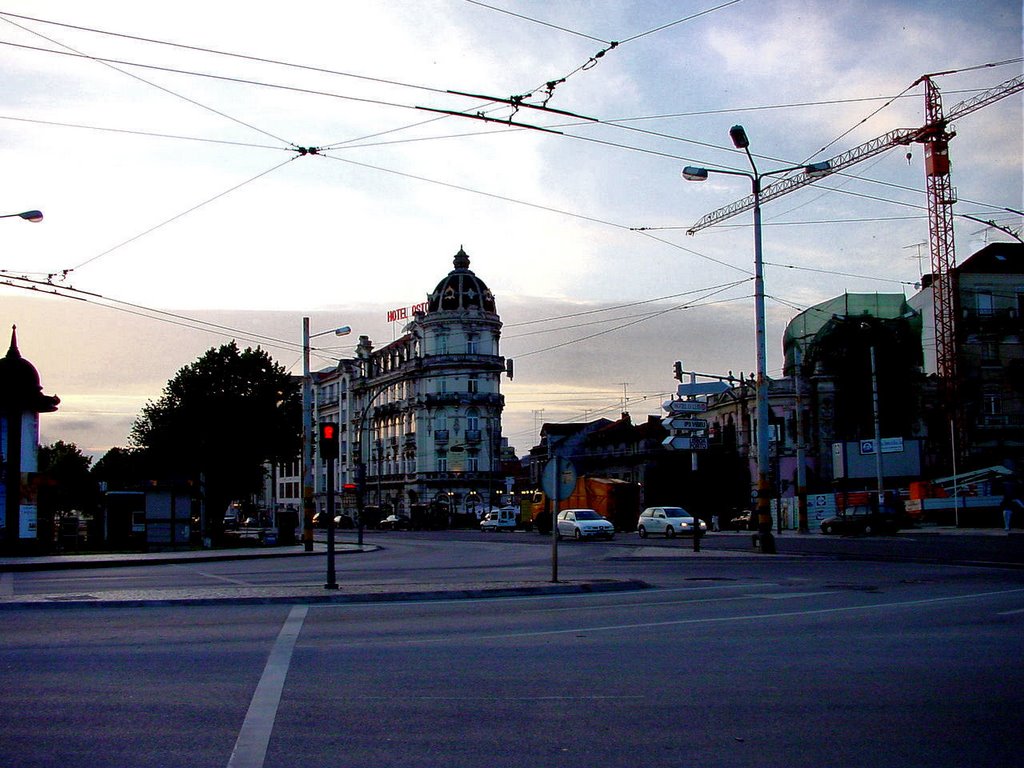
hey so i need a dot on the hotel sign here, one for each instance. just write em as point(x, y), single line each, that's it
point(405, 313)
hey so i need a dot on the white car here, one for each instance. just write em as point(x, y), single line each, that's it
point(583, 523)
point(667, 520)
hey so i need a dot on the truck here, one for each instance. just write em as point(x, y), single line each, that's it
point(616, 500)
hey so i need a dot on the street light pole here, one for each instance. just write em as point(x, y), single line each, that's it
point(765, 538)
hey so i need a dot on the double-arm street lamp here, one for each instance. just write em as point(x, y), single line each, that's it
point(307, 433)
point(692, 173)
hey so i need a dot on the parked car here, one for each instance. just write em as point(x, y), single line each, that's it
point(583, 523)
point(667, 520)
point(856, 521)
point(395, 523)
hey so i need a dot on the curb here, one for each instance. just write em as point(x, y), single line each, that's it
point(339, 597)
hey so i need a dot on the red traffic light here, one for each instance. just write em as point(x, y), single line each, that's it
point(328, 440)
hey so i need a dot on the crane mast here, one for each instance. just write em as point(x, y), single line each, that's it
point(935, 136)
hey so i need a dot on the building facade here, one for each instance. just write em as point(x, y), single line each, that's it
point(420, 417)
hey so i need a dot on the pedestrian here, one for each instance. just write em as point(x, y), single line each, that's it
point(714, 523)
point(1010, 501)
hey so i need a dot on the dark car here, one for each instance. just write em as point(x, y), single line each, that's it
point(861, 522)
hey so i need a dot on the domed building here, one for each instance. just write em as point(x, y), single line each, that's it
point(422, 415)
point(21, 402)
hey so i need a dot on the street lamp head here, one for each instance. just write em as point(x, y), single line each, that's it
point(693, 173)
point(818, 170)
point(33, 216)
point(345, 330)
point(739, 137)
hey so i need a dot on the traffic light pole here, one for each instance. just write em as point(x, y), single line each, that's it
point(332, 581)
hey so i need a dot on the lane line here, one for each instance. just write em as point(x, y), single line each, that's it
point(1010, 613)
point(251, 746)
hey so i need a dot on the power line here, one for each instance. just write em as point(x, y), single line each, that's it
point(111, 65)
point(64, 273)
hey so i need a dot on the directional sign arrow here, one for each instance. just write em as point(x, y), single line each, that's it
point(683, 423)
point(684, 406)
point(703, 388)
point(678, 443)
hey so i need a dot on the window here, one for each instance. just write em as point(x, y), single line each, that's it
point(984, 302)
point(442, 344)
point(442, 463)
point(472, 420)
point(473, 384)
point(472, 344)
point(993, 403)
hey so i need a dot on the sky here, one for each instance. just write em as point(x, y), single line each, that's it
point(217, 171)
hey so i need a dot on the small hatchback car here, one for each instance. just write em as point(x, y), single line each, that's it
point(583, 523)
point(667, 520)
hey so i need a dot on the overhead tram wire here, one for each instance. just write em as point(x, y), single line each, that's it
point(627, 305)
point(624, 325)
point(12, 280)
point(228, 54)
point(64, 273)
point(147, 134)
point(110, 64)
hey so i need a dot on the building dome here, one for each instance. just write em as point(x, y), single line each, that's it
point(19, 383)
point(461, 289)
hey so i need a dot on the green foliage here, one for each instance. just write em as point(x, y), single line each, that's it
point(220, 418)
point(67, 484)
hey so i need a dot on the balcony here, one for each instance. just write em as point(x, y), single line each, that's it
point(1000, 421)
point(440, 436)
point(472, 435)
point(463, 398)
point(997, 322)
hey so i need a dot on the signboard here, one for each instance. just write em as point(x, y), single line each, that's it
point(702, 388)
point(685, 406)
point(889, 445)
point(559, 479)
point(680, 443)
point(684, 423)
point(405, 313)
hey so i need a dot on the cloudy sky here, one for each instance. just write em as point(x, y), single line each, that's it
point(168, 146)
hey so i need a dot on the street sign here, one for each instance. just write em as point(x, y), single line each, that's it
point(679, 443)
point(558, 479)
point(703, 388)
point(684, 423)
point(684, 406)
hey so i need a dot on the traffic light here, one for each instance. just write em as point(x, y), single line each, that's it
point(508, 368)
point(327, 440)
point(677, 367)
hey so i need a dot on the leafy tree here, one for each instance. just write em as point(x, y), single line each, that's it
point(122, 469)
point(221, 418)
point(67, 485)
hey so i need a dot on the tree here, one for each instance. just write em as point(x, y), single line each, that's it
point(66, 486)
point(219, 419)
point(122, 469)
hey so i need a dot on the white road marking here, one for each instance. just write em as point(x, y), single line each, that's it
point(251, 746)
point(1010, 613)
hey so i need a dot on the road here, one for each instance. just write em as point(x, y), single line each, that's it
point(727, 659)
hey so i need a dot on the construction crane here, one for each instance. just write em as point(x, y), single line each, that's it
point(935, 135)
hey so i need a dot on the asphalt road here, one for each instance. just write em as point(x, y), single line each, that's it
point(727, 659)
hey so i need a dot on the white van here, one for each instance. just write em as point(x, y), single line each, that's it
point(503, 519)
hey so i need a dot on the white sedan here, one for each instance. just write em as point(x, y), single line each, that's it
point(583, 523)
point(667, 520)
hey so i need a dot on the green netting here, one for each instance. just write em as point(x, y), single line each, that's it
point(802, 329)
